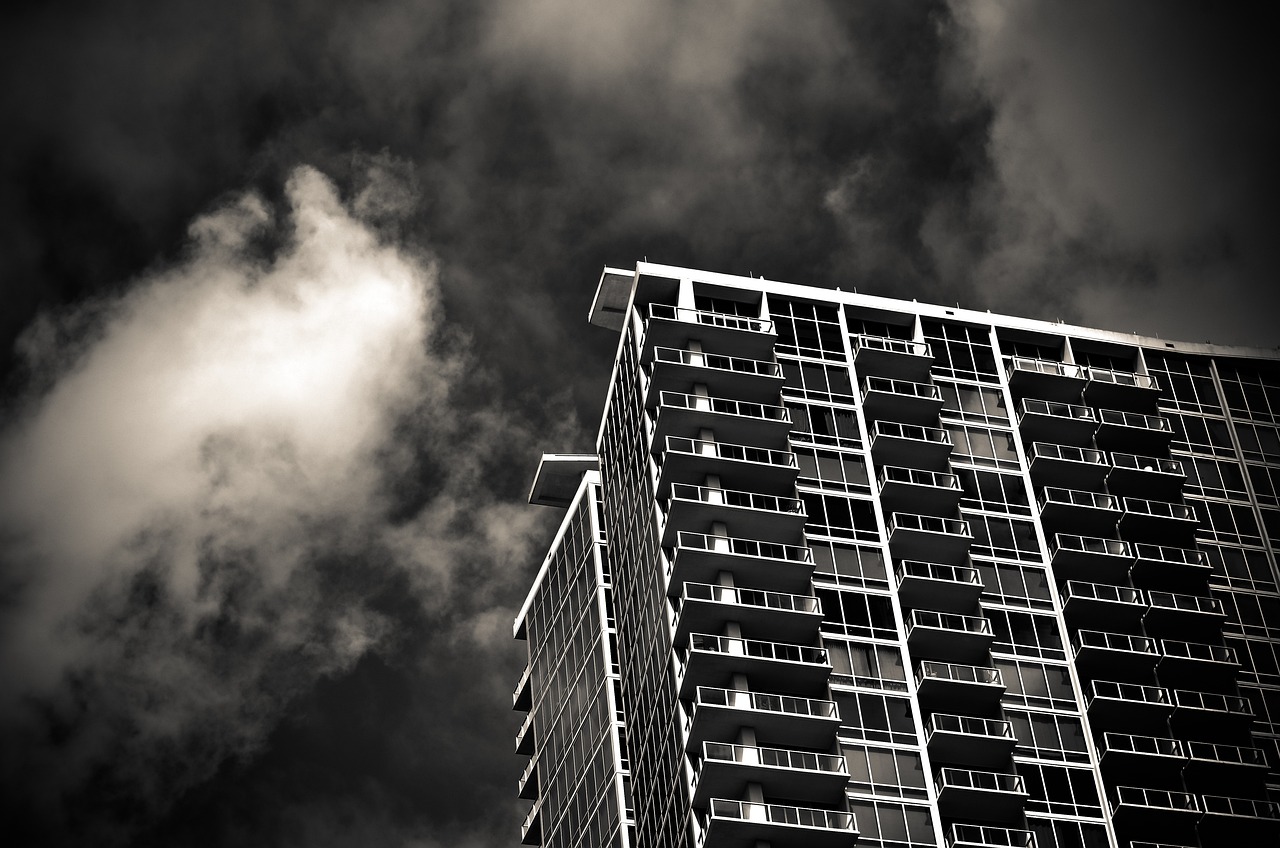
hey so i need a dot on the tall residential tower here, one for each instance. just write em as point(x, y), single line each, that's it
point(848, 570)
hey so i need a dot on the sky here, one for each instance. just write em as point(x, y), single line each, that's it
point(295, 296)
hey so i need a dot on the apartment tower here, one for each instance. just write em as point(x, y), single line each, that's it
point(848, 570)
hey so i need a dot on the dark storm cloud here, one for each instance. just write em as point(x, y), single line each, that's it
point(318, 565)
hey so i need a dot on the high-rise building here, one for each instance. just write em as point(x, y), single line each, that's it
point(849, 570)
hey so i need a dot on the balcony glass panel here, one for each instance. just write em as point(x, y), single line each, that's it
point(988, 836)
point(752, 597)
point(773, 757)
point(710, 319)
point(699, 359)
point(737, 646)
point(1042, 366)
point(1134, 420)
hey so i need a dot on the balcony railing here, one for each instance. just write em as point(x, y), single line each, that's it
point(715, 361)
point(803, 722)
point(928, 537)
point(895, 443)
point(956, 686)
point(1114, 654)
point(762, 819)
point(1152, 746)
point(700, 557)
point(902, 400)
point(724, 406)
point(732, 334)
point(1131, 471)
point(1238, 821)
point(1128, 706)
point(1047, 367)
point(1060, 423)
point(932, 585)
point(1163, 564)
point(1067, 465)
point(888, 357)
point(772, 757)
point(733, 420)
point(766, 703)
point(1102, 602)
point(968, 740)
point(1090, 557)
point(988, 836)
point(1235, 755)
point(1170, 612)
point(756, 648)
point(1240, 807)
point(782, 601)
point(1194, 661)
point(693, 507)
point(1081, 510)
point(979, 794)
point(948, 636)
point(1131, 431)
point(1212, 702)
point(1157, 799)
point(918, 477)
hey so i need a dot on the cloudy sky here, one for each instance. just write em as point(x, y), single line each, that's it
point(294, 297)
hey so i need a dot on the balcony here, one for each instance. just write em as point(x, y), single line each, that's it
point(734, 421)
point(981, 795)
point(531, 827)
point(898, 359)
point(734, 823)
point(1132, 432)
point(522, 697)
point(901, 400)
point(1211, 764)
point(1158, 565)
point(802, 722)
point(672, 326)
point(675, 370)
point(694, 508)
point(969, 688)
point(1238, 821)
point(1044, 378)
point(1128, 706)
point(689, 461)
point(1194, 662)
point(1090, 558)
point(930, 585)
point(1132, 474)
point(1092, 605)
point(705, 607)
point(928, 537)
point(1086, 512)
point(1114, 655)
point(1129, 755)
point(527, 788)
point(1067, 466)
point(726, 769)
point(699, 558)
point(524, 738)
point(1157, 521)
point(1172, 614)
point(893, 443)
point(1209, 713)
point(1058, 423)
point(1120, 389)
point(930, 492)
point(1155, 813)
point(988, 836)
point(777, 666)
point(949, 637)
point(969, 741)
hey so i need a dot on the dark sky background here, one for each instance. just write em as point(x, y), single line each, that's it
point(295, 295)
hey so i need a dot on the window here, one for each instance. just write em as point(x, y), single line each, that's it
point(807, 329)
point(848, 565)
point(972, 403)
point(1266, 483)
point(1201, 435)
point(1258, 441)
point(866, 664)
point(961, 352)
point(847, 613)
point(980, 446)
point(1243, 568)
point(1214, 478)
point(1026, 634)
point(1060, 789)
point(1126, 361)
point(993, 491)
point(817, 381)
point(824, 425)
point(1187, 383)
point(1048, 736)
point(859, 326)
point(1223, 522)
point(846, 518)
point(1010, 538)
point(887, 825)
point(725, 306)
point(1251, 615)
point(884, 771)
point(833, 469)
point(1036, 684)
point(1017, 585)
point(1067, 834)
point(1251, 391)
point(1258, 659)
point(875, 718)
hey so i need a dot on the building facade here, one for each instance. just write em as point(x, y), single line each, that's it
point(848, 570)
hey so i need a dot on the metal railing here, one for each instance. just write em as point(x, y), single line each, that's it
point(929, 524)
point(1159, 509)
point(1188, 603)
point(1077, 497)
point(1212, 702)
point(1050, 367)
point(772, 757)
point(1056, 409)
point(949, 621)
point(762, 598)
point(723, 406)
point(754, 648)
point(717, 361)
point(1136, 420)
point(781, 814)
point(1067, 453)
point(710, 319)
point(931, 670)
point(1127, 743)
point(918, 477)
point(1130, 692)
point(936, 571)
point(948, 723)
point(742, 547)
point(1121, 378)
point(990, 836)
point(1090, 545)
point(727, 450)
point(889, 345)
point(1246, 807)
point(1135, 462)
point(736, 498)
point(1161, 799)
point(1177, 556)
point(1220, 753)
point(969, 779)
point(903, 388)
point(1198, 651)
point(765, 703)
point(1115, 642)
point(915, 432)
point(1101, 592)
